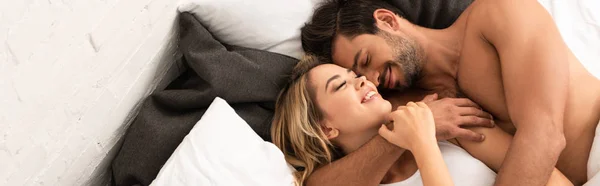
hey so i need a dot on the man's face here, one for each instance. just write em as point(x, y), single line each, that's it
point(388, 60)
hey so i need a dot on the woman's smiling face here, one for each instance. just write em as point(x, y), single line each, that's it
point(352, 108)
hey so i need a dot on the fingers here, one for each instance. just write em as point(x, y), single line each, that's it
point(401, 108)
point(474, 121)
point(425, 108)
point(385, 133)
point(397, 114)
point(390, 126)
point(430, 97)
point(411, 108)
point(422, 105)
point(472, 111)
point(463, 102)
point(412, 104)
point(469, 135)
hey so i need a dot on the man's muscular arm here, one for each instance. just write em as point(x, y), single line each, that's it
point(365, 166)
point(535, 75)
point(493, 150)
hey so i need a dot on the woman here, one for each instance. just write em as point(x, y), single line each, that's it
point(327, 111)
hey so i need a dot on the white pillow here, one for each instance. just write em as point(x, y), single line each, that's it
point(222, 149)
point(272, 25)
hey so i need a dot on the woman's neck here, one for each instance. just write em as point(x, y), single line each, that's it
point(403, 168)
point(349, 142)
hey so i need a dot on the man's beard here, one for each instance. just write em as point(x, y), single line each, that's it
point(406, 54)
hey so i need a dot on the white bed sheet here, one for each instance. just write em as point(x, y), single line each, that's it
point(579, 25)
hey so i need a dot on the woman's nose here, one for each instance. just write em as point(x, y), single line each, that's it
point(360, 82)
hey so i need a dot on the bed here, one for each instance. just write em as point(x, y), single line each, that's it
point(176, 137)
point(579, 25)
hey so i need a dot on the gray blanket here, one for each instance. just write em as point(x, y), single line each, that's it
point(248, 79)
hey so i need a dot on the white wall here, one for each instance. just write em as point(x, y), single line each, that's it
point(71, 72)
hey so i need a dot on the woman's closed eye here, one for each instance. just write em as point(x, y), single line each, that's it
point(345, 82)
point(340, 86)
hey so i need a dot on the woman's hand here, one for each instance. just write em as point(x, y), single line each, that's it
point(413, 126)
point(414, 129)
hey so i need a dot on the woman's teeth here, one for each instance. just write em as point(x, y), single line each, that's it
point(369, 95)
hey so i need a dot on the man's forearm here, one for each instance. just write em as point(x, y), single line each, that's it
point(365, 166)
point(531, 158)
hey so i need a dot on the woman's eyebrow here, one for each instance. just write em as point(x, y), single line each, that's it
point(331, 79)
point(334, 77)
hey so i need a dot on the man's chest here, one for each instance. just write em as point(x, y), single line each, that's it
point(479, 76)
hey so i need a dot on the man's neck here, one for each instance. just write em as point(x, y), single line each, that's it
point(442, 50)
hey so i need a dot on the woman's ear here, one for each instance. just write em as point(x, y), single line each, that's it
point(386, 20)
point(329, 131)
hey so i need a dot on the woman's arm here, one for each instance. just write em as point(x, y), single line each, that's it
point(494, 148)
point(431, 164)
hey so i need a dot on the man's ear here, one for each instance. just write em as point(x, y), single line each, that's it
point(386, 20)
point(329, 131)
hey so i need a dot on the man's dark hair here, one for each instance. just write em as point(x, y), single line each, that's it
point(348, 18)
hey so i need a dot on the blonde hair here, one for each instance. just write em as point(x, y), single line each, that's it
point(296, 129)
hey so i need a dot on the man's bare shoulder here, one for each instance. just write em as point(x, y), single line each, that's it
point(485, 7)
point(479, 15)
point(493, 18)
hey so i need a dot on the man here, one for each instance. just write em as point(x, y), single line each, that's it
point(506, 55)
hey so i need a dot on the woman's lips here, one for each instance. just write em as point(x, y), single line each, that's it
point(369, 96)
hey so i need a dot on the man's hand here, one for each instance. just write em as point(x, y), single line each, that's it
point(451, 114)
